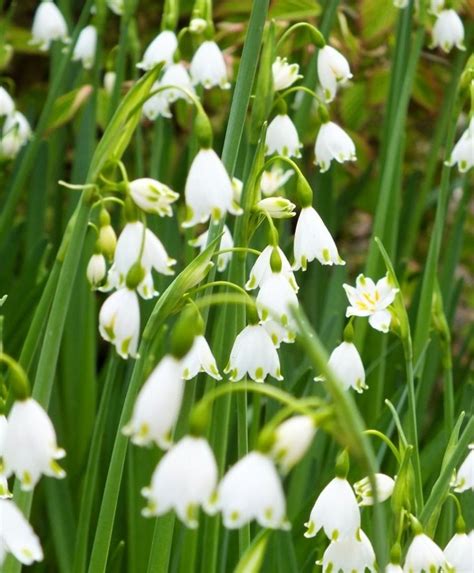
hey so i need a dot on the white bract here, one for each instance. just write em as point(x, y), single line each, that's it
point(208, 67)
point(200, 359)
point(96, 269)
point(282, 137)
point(157, 105)
point(15, 134)
point(424, 555)
point(350, 555)
point(448, 31)
point(333, 70)
point(336, 511)
point(333, 142)
point(152, 196)
point(262, 271)
point(161, 49)
point(313, 241)
point(119, 321)
point(292, 439)
point(48, 25)
point(17, 536)
point(227, 242)
point(30, 448)
point(177, 75)
point(459, 553)
point(7, 105)
point(384, 485)
point(184, 480)
point(284, 74)
point(208, 189)
point(464, 478)
point(251, 489)
point(157, 406)
point(274, 179)
point(85, 48)
point(463, 152)
point(277, 207)
point(275, 299)
point(346, 365)
point(370, 299)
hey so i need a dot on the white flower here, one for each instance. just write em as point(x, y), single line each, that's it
point(336, 511)
point(464, 478)
point(116, 6)
point(30, 448)
point(184, 479)
point(346, 365)
point(161, 49)
point(16, 133)
point(292, 439)
point(313, 241)
point(96, 269)
point(272, 180)
point(85, 47)
point(157, 405)
point(459, 553)
point(333, 70)
point(253, 354)
point(278, 333)
point(157, 105)
point(333, 142)
point(392, 567)
point(119, 321)
point(282, 137)
point(200, 359)
point(7, 105)
point(4, 491)
point(251, 489)
point(176, 75)
point(274, 300)
point(370, 299)
point(262, 271)
point(208, 67)
point(152, 196)
point(48, 25)
point(284, 74)
point(349, 555)
point(424, 555)
point(384, 486)
point(463, 152)
point(400, 3)
point(277, 207)
point(448, 31)
point(17, 536)
point(237, 187)
point(208, 189)
point(109, 81)
point(436, 6)
point(227, 242)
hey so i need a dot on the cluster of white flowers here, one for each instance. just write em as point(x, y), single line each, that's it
point(15, 131)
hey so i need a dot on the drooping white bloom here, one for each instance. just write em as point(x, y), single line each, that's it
point(15, 134)
point(400, 3)
point(251, 489)
point(30, 448)
point(262, 271)
point(333, 142)
point(277, 207)
point(436, 6)
point(152, 196)
point(184, 480)
point(227, 242)
point(85, 48)
point(384, 485)
point(424, 555)
point(336, 511)
point(7, 105)
point(237, 187)
point(157, 105)
point(109, 81)
point(200, 359)
point(349, 555)
point(177, 75)
point(208, 67)
point(116, 6)
point(313, 241)
point(278, 333)
point(346, 364)
point(370, 299)
point(393, 568)
point(253, 354)
point(282, 137)
point(208, 189)
point(161, 49)
point(284, 74)
point(448, 31)
point(464, 478)
point(275, 299)
point(119, 321)
point(157, 406)
point(463, 152)
point(459, 553)
point(17, 536)
point(4, 491)
point(96, 269)
point(274, 179)
point(48, 25)
point(333, 70)
point(292, 439)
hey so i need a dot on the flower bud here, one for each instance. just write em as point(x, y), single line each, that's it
point(277, 207)
point(107, 241)
point(96, 269)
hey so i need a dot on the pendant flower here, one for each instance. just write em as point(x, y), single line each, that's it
point(7, 105)
point(96, 270)
point(17, 536)
point(384, 486)
point(292, 440)
point(119, 322)
point(277, 207)
point(284, 74)
point(274, 300)
point(151, 196)
point(346, 364)
point(48, 25)
point(85, 48)
point(262, 271)
point(282, 137)
point(176, 75)
point(158, 105)
point(459, 553)
point(208, 67)
point(424, 555)
point(184, 479)
point(370, 299)
point(448, 31)
point(463, 152)
point(161, 49)
point(349, 555)
point(30, 448)
point(227, 242)
point(333, 142)
point(4, 491)
point(278, 333)
point(274, 179)
point(200, 359)
point(333, 71)
point(464, 478)
point(15, 134)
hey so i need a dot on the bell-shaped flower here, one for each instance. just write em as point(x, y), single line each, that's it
point(252, 489)
point(346, 365)
point(109, 81)
point(336, 511)
point(459, 553)
point(96, 269)
point(314, 241)
point(119, 321)
point(448, 31)
point(200, 359)
point(464, 478)
point(17, 536)
point(48, 25)
point(384, 485)
point(85, 48)
point(227, 242)
point(253, 354)
point(161, 49)
point(184, 479)
point(272, 180)
point(30, 448)
point(333, 142)
point(370, 299)
point(262, 270)
point(284, 74)
point(15, 134)
point(463, 152)
point(278, 333)
point(274, 300)
point(177, 75)
point(208, 189)
point(237, 188)
point(152, 196)
point(7, 105)
point(282, 137)
point(333, 70)
point(208, 67)
point(4, 491)
point(353, 554)
point(158, 105)
point(424, 555)
point(277, 207)
point(292, 440)
point(158, 404)
point(116, 6)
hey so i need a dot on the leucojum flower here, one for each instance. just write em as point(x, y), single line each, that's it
point(347, 367)
point(333, 143)
point(282, 137)
point(48, 25)
point(349, 555)
point(85, 48)
point(284, 74)
point(17, 536)
point(333, 70)
point(384, 485)
point(152, 196)
point(292, 439)
point(464, 478)
point(161, 49)
point(463, 152)
point(448, 31)
point(227, 242)
point(208, 67)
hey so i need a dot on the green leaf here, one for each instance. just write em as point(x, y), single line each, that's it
point(295, 9)
point(252, 560)
point(66, 107)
